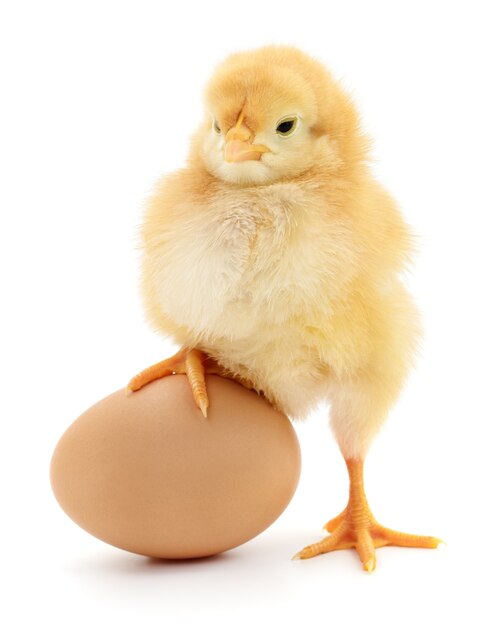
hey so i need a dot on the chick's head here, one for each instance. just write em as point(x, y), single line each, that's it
point(272, 114)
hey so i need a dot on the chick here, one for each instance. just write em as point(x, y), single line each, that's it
point(273, 258)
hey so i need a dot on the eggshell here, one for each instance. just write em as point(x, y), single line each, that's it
point(149, 474)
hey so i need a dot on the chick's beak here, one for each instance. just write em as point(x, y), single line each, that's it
point(236, 151)
point(238, 146)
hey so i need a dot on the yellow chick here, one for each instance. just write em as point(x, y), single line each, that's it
point(273, 258)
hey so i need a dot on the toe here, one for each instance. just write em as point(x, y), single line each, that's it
point(387, 536)
point(196, 376)
point(336, 541)
point(156, 371)
point(333, 523)
point(366, 550)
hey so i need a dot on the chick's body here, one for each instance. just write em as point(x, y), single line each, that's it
point(283, 264)
point(271, 281)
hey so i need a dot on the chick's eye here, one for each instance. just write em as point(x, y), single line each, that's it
point(286, 126)
point(216, 127)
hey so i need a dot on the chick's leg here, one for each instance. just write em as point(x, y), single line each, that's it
point(361, 399)
point(357, 528)
point(194, 363)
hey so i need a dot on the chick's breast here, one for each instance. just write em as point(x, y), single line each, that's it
point(244, 260)
point(251, 275)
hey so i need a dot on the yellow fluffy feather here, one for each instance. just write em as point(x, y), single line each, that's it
point(284, 267)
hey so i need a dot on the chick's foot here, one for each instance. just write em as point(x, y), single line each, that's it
point(194, 363)
point(357, 528)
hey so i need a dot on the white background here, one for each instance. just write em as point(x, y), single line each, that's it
point(99, 99)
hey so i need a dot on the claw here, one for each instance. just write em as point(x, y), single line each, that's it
point(369, 565)
point(203, 405)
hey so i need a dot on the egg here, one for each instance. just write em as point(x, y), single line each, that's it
point(148, 473)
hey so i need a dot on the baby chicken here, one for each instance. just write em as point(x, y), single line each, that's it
point(273, 258)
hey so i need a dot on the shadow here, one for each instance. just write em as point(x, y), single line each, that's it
point(119, 563)
point(268, 551)
point(157, 563)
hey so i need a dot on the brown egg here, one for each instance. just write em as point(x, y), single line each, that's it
point(149, 474)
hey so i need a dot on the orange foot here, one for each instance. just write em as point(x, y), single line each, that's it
point(357, 528)
point(194, 363)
